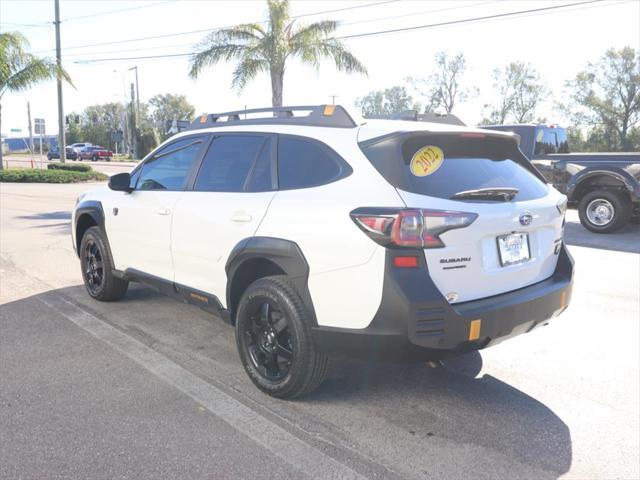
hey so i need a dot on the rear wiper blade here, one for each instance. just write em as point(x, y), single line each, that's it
point(505, 194)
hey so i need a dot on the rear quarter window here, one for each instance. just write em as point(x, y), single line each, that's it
point(467, 163)
point(304, 163)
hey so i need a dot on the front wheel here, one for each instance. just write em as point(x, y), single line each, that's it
point(97, 268)
point(604, 211)
point(273, 334)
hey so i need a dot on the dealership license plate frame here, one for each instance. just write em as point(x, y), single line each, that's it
point(524, 250)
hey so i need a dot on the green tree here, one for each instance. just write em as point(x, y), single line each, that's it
point(443, 89)
point(386, 102)
point(607, 93)
point(168, 107)
point(20, 70)
point(257, 49)
point(520, 90)
point(98, 121)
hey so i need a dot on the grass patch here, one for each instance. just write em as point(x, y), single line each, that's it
point(24, 175)
point(73, 167)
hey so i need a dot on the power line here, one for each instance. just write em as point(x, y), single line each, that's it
point(381, 32)
point(341, 24)
point(116, 11)
point(465, 20)
point(414, 14)
point(212, 29)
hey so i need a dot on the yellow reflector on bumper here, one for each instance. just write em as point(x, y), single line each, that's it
point(474, 329)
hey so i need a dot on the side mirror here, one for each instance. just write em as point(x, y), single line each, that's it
point(121, 182)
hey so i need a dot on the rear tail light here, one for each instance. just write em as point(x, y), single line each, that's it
point(410, 228)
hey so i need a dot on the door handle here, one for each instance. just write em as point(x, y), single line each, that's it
point(241, 217)
point(163, 211)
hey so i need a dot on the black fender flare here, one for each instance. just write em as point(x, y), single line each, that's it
point(93, 209)
point(617, 173)
point(284, 254)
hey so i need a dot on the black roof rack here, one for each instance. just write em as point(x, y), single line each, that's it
point(413, 115)
point(316, 115)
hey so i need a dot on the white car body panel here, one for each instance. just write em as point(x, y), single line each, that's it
point(206, 227)
point(140, 234)
point(483, 276)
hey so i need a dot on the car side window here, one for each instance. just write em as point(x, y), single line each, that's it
point(228, 163)
point(546, 142)
point(304, 163)
point(169, 168)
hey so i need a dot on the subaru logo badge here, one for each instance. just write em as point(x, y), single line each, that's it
point(526, 218)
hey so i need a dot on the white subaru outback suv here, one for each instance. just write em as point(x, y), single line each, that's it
point(315, 234)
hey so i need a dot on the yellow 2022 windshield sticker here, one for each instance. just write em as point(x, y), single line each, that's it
point(426, 161)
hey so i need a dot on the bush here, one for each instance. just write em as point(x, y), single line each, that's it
point(25, 175)
point(74, 167)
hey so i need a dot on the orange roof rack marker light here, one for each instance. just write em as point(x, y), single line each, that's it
point(474, 329)
point(328, 110)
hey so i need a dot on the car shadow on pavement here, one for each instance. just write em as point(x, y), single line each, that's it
point(449, 403)
point(60, 215)
point(627, 239)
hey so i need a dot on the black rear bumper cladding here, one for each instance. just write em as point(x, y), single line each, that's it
point(415, 322)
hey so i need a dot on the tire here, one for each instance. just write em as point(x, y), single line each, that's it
point(97, 268)
point(95, 158)
point(274, 340)
point(604, 211)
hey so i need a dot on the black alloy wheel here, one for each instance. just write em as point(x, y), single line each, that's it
point(267, 338)
point(93, 267)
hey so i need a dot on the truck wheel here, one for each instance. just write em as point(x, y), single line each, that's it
point(604, 211)
point(97, 268)
point(274, 340)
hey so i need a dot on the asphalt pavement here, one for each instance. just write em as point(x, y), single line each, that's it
point(151, 388)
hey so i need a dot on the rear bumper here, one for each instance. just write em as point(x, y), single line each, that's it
point(415, 322)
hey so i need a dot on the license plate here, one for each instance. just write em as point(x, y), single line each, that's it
point(513, 248)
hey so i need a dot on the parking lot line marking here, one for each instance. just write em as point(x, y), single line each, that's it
point(296, 452)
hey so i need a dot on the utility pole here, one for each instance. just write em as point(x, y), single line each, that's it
point(30, 130)
point(137, 93)
point(134, 127)
point(61, 139)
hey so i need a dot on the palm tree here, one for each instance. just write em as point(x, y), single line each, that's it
point(258, 49)
point(20, 70)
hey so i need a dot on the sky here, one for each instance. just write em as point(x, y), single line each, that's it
point(558, 43)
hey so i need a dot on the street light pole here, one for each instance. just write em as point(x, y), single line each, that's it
point(61, 139)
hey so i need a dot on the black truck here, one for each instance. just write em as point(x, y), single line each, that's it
point(604, 187)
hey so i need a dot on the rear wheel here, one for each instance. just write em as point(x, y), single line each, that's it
point(274, 340)
point(604, 211)
point(97, 268)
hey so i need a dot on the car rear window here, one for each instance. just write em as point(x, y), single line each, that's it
point(442, 165)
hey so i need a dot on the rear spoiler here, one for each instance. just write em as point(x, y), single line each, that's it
point(414, 116)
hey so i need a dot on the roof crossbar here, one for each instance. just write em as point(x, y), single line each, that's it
point(311, 115)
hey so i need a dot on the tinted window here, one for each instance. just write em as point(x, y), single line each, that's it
point(169, 168)
point(546, 142)
point(227, 164)
point(461, 164)
point(303, 163)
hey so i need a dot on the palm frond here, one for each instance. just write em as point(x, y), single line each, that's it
point(33, 71)
point(247, 70)
point(313, 32)
point(344, 60)
point(215, 54)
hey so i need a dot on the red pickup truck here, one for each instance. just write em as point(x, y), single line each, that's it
point(95, 153)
